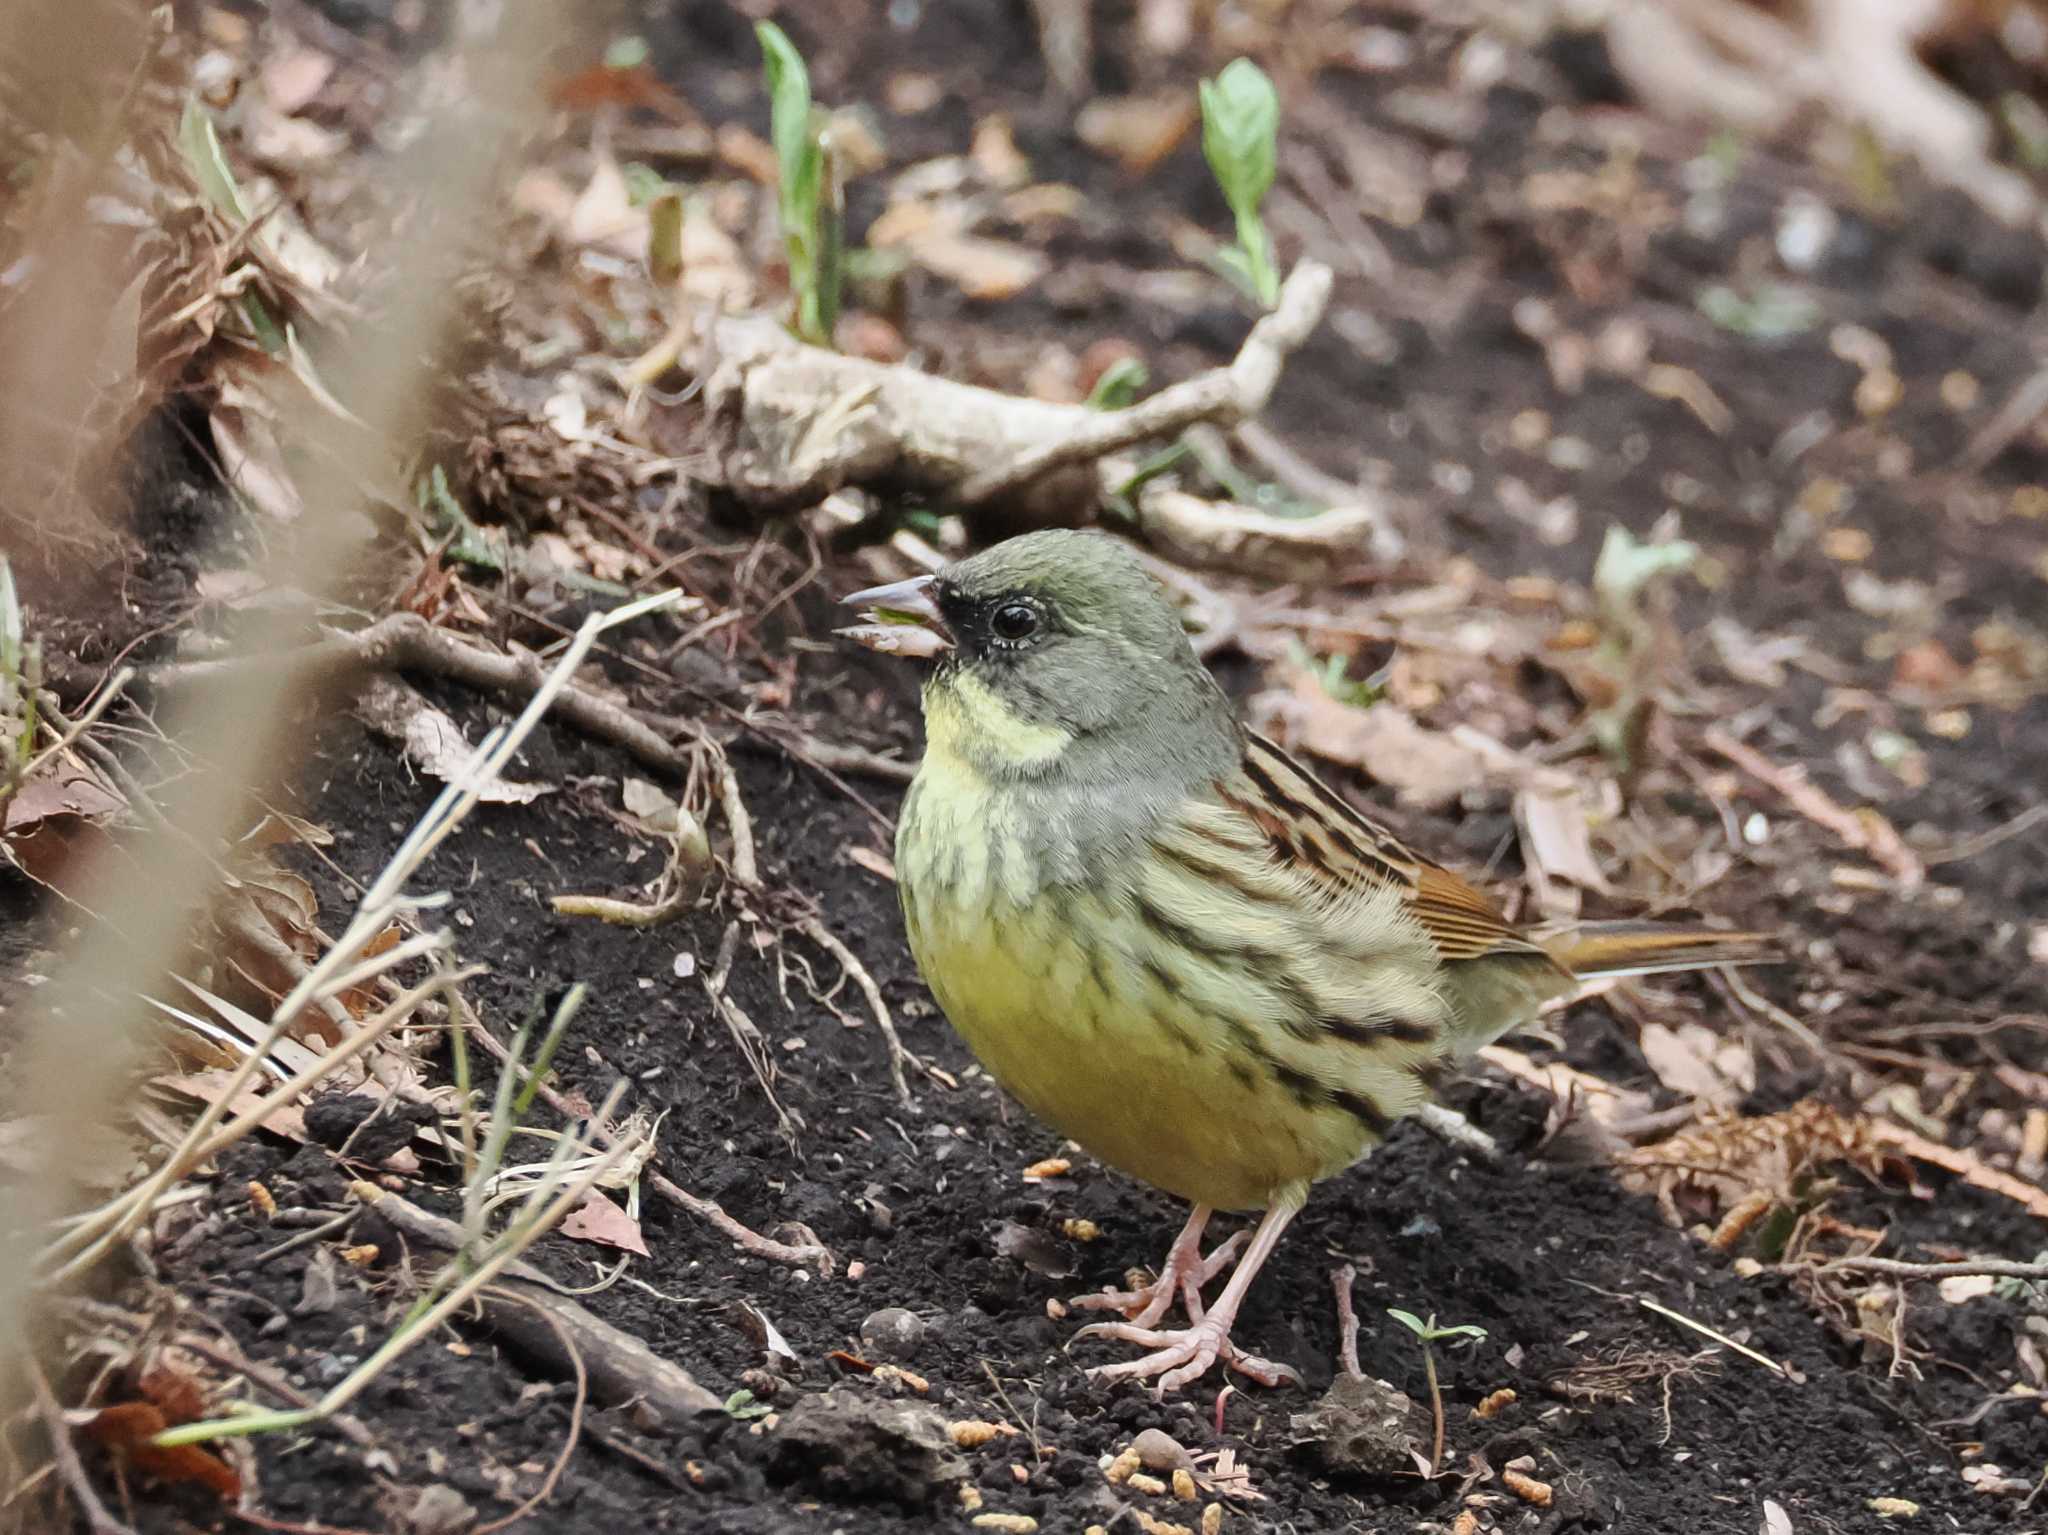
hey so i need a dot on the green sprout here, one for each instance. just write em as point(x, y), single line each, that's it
point(1119, 385)
point(1332, 674)
point(809, 195)
point(1626, 576)
point(741, 1405)
point(1240, 134)
point(1770, 312)
point(1430, 1333)
point(627, 52)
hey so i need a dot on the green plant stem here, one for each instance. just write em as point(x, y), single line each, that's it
point(1436, 1411)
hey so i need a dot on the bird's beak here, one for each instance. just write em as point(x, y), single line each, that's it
point(903, 619)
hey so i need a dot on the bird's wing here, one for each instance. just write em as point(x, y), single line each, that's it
point(1346, 853)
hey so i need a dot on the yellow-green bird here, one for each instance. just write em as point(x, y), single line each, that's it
point(1164, 936)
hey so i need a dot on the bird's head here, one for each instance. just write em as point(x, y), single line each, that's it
point(1044, 641)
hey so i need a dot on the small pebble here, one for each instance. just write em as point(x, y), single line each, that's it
point(1145, 1482)
point(971, 1433)
point(1010, 1524)
point(970, 1497)
point(892, 1332)
point(1184, 1485)
point(1121, 1469)
point(1212, 1519)
point(1527, 1488)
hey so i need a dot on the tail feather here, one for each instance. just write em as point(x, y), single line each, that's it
point(1597, 949)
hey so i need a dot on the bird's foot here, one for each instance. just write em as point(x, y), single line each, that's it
point(1183, 1273)
point(1183, 1354)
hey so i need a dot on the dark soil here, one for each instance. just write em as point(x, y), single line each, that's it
point(1548, 1259)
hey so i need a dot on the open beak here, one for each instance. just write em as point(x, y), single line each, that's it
point(902, 619)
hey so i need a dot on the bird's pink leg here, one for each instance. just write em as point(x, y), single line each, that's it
point(1183, 1354)
point(1184, 1273)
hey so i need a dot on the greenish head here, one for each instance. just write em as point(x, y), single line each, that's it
point(1055, 640)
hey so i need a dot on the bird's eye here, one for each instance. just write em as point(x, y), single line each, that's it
point(1015, 621)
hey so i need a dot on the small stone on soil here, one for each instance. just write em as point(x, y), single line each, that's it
point(892, 1332)
point(1362, 1426)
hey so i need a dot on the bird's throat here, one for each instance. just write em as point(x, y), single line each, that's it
point(967, 720)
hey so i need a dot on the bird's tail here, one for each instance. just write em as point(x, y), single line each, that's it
point(1600, 949)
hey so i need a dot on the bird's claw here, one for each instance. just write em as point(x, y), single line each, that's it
point(1144, 1306)
point(1180, 1355)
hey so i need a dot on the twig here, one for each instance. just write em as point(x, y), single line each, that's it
point(66, 1453)
point(72, 730)
point(1719, 1337)
point(1963, 1165)
point(1985, 841)
point(746, 871)
point(838, 757)
point(745, 1034)
point(407, 642)
point(823, 937)
point(619, 1366)
point(1347, 1321)
point(2020, 411)
point(1995, 1268)
point(1870, 834)
point(1225, 396)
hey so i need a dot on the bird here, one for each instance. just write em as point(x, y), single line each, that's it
point(1169, 940)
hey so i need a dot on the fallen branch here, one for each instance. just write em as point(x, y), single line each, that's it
point(1223, 396)
point(522, 1307)
point(407, 642)
point(792, 424)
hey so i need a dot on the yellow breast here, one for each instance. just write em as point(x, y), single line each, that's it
point(1061, 993)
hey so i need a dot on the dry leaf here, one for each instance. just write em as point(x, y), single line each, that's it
point(432, 741)
point(1557, 846)
point(127, 1428)
point(602, 1221)
point(603, 213)
point(1426, 767)
point(1137, 131)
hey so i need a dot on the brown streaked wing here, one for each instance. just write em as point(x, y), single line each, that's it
point(1312, 828)
point(1462, 921)
point(1335, 844)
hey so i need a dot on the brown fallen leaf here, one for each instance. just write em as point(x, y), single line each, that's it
point(1427, 768)
point(126, 1430)
point(60, 812)
point(1137, 131)
point(603, 1222)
